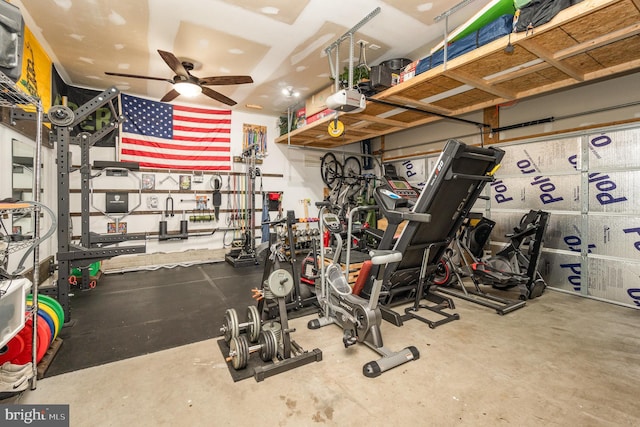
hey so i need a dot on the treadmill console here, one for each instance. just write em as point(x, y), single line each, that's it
point(402, 188)
point(396, 199)
point(396, 192)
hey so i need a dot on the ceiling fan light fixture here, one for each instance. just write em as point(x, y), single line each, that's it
point(187, 89)
point(289, 92)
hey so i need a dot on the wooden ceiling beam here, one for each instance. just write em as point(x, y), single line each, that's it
point(548, 57)
point(403, 100)
point(383, 121)
point(479, 83)
point(604, 40)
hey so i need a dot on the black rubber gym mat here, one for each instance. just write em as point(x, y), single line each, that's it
point(133, 314)
point(241, 374)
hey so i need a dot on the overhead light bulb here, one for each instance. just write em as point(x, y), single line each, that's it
point(187, 89)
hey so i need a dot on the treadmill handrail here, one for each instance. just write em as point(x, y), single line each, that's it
point(413, 216)
point(456, 175)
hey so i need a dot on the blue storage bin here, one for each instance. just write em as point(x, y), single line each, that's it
point(423, 65)
point(490, 32)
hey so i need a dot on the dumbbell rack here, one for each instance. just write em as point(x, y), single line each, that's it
point(290, 354)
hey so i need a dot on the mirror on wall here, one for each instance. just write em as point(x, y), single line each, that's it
point(22, 182)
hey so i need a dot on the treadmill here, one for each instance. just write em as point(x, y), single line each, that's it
point(452, 189)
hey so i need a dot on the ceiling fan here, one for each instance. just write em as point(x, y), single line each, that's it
point(185, 83)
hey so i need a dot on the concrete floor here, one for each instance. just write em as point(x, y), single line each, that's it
point(562, 360)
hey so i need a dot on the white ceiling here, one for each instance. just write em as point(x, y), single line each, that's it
point(279, 43)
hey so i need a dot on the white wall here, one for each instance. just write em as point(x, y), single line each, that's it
point(48, 196)
point(300, 180)
point(300, 170)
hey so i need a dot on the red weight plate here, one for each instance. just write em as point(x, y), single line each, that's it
point(13, 348)
point(44, 337)
point(25, 355)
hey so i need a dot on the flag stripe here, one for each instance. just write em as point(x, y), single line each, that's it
point(161, 135)
point(200, 119)
point(190, 167)
point(173, 157)
point(169, 146)
point(192, 129)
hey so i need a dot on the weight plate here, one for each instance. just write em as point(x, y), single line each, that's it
point(44, 317)
point(280, 282)
point(94, 268)
point(244, 346)
point(267, 342)
point(55, 305)
point(231, 325)
point(234, 352)
point(239, 348)
point(43, 340)
point(253, 320)
point(60, 115)
point(13, 348)
point(52, 314)
point(276, 327)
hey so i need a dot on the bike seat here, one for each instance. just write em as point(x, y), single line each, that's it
point(384, 256)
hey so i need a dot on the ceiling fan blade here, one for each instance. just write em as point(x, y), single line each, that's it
point(134, 76)
point(170, 96)
point(226, 80)
point(173, 62)
point(217, 96)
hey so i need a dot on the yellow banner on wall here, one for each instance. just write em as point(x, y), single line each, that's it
point(36, 70)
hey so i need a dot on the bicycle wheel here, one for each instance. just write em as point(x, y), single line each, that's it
point(352, 170)
point(330, 169)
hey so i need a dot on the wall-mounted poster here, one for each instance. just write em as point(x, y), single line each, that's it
point(121, 229)
point(148, 181)
point(185, 182)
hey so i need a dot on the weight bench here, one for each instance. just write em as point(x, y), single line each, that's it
point(452, 189)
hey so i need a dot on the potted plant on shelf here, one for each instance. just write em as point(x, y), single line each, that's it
point(360, 74)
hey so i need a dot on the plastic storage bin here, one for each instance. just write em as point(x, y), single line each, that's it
point(12, 307)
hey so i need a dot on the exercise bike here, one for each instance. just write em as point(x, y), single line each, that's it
point(359, 318)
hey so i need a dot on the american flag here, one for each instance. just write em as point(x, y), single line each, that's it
point(166, 136)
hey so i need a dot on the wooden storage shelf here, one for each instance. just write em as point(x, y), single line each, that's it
point(592, 40)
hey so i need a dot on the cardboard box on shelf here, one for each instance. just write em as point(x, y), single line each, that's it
point(409, 71)
point(318, 101)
